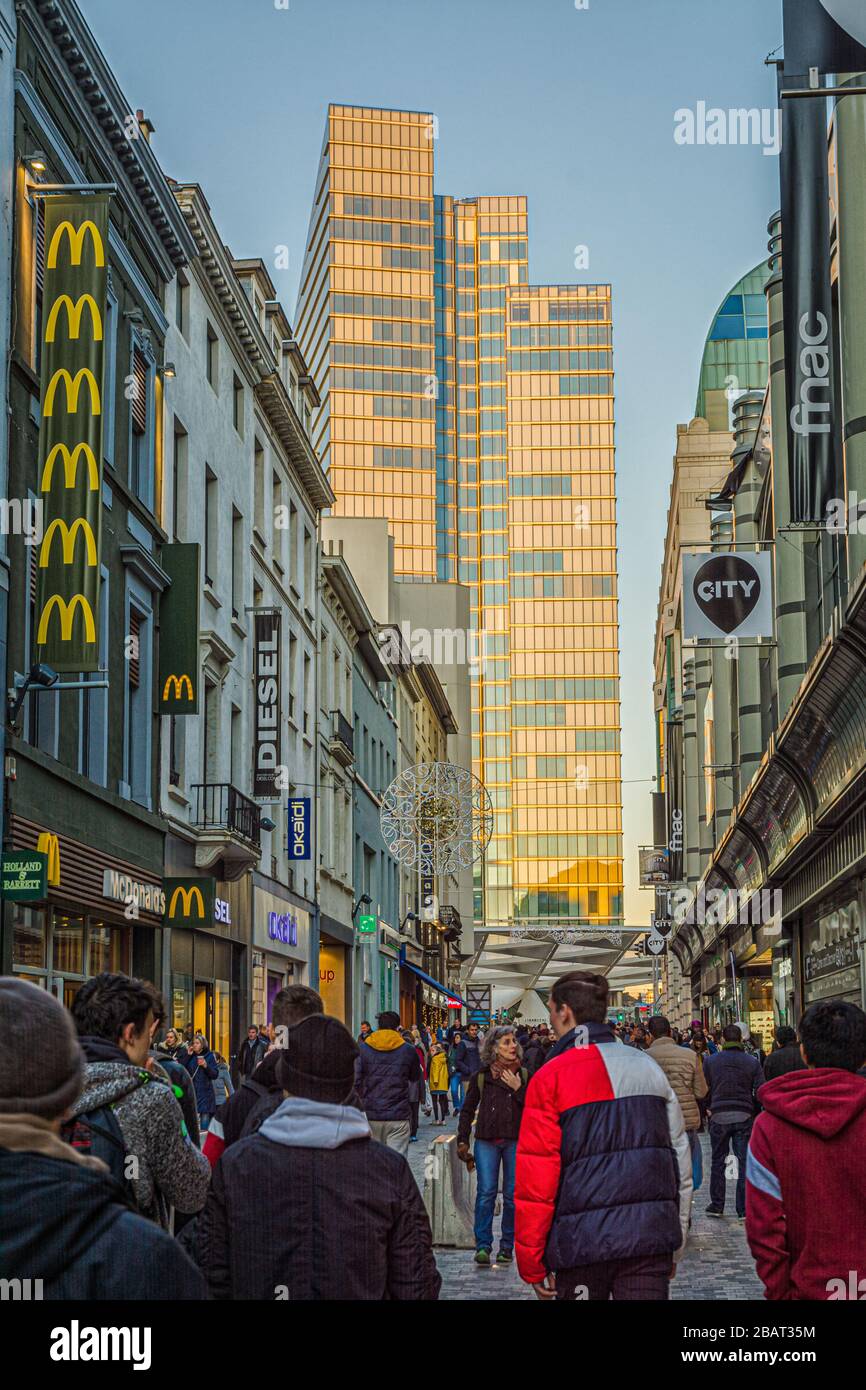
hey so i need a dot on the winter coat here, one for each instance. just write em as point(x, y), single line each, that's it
point(806, 1184)
point(312, 1208)
point(250, 1054)
point(783, 1060)
point(439, 1072)
point(184, 1091)
point(604, 1168)
point(385, 1069)
point(467, 1057)
point(203, 1079)
point(171, 1169)
point(684, 1071)
point(733, 1078)
point(533, 1055)
point(65, 1222)
point(500, 1109)
point(222, 1087)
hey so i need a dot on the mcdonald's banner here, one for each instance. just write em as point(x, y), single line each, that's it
point(190, 902)
point(70, 436)
point(178, 630)
point(48, 845)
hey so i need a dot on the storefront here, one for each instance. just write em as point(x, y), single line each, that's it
point(208, 968)
point(431, 1006)
point(831, 943)
point(281, 950)
point(336, 941)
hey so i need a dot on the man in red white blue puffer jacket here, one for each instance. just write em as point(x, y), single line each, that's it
point(604, 1171)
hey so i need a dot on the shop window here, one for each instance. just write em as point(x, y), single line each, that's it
point(107, 949)
point(29, 938)
point(67, 948)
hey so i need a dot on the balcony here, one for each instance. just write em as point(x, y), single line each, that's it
point(229, 829)
point(341, 742)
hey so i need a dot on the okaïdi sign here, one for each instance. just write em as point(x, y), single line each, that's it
point(266, 755)
point(727, 595)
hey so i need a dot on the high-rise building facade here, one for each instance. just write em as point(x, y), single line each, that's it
point(475, 413)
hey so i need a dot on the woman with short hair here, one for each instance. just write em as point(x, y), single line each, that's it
point(496, 1094)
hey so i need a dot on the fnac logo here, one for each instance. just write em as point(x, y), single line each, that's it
point(72, 386)
point(47, 845)
point(187, 896)
point(71, 458)
point(179, 685)
point(67, 613)
point(74, 314)
point(67, 540)
point(76, 243)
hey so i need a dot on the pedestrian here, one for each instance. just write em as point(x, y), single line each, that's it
point(181, 1084)
point(63, 1222)
point(251, 1052)
point(684, 1070)
point(786, 1055)
point(312, 1208)
point(366, 1030)
point(260, 1094)
point(171, 1042)
point(438, 1080)
point(604, 1174)
point(456, 1079)
point(129, 1097)
point(386, 1068)
point(733, 1078)
point(222, 1086)
point(754, 1048)
point(202, 1067)
point(533, 1054)
point(467, 1054)
point(417, 1086)
point(496, 1092)
point(701, 1049)
point(805, 1175)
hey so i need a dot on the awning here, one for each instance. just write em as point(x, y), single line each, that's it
point(443, 989)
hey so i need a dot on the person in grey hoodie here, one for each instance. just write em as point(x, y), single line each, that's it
point(115, 1017)
point(312, 1207)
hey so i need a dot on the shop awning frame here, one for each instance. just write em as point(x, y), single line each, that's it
point(422, 974)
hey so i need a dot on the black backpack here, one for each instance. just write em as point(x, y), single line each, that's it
point(97, 1134)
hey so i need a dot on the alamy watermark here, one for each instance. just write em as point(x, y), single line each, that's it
point(714, 125)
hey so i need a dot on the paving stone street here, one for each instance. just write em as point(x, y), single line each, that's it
point(717, 1264)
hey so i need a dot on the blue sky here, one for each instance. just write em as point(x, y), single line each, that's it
point(574, 108)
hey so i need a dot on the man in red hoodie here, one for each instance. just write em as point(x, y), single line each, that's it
point(805, 1173)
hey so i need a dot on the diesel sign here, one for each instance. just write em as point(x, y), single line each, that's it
point(267, 706)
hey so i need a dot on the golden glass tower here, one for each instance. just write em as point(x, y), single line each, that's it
point(475, 412)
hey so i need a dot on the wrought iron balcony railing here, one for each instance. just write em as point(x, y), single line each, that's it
point(220, 806)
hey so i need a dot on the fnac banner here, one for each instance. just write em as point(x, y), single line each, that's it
point(70, 437)
point(190, 902)
point(178, 630)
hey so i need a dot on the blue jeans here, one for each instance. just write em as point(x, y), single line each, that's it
point(457, 1091)
point(488, 1156)
point(697, 1157)
point(737, 1136)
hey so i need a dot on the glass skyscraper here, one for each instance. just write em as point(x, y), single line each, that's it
point(475, 412)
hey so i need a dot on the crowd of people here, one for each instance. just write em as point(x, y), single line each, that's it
point(132, 1167)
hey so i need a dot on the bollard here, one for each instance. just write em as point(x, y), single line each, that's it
point(449, 1194)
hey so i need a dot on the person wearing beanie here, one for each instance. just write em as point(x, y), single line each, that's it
point(65, 1224)
point(387, 1074)
point(312, 1207)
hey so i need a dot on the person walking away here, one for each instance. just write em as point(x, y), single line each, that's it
point(733, 1079)
point(786, 1055)
point(805, 1174)
point(604, 1173)
point(533, 1054)
point(416, 1086)
point(222, 1086)
point(467, 1055)
point(127, 1106)
point(456, 1078)
point(496, 1093)
point(685, 1072)
point(263, 1235)
point(202, 1067)
point(260, 1094)
point(64, 1222)
point(701, 1049)
point(439, 1081)
point(251, 1052)
point(386, 1068)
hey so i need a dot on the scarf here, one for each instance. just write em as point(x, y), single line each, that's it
point(497, 1067)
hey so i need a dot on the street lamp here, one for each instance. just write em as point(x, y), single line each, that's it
point(364, 901)
point(39, 674)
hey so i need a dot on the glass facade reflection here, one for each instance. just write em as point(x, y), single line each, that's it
point(475, 412)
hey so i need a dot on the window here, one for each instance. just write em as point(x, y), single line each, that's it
point(237, 562)
point(179, 476)
point(293, 671)
point(293, 544)
point(139, 701)
point(237, 748)
point(141, 437)
point(93, 707)
point(210, 526)
point(212, 357)
point(210, 734)
point(238, 405)
point(307, 695)
point(278, 531)
point(259, 485)
point(181, 305)
point(308, 570)
point(175, 751)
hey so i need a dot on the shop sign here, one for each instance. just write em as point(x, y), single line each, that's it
point(283, 926)
point(190, 902)
point(366, 924)
point(727, 594)
point(266, 751)
point(299, 827)
point(831, 955)
point(24, 876)
point(122, 888)
point(453, 1004)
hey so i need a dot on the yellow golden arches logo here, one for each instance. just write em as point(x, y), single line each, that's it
point(179, 684)
point(47, 844)
point(74, 313)
point(73, 387)
point(76, 243)
point(186, 896)
point(70, 466)
point(67, 539)
point(67, 613)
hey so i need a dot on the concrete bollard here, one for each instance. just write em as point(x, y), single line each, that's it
point(449, 1194)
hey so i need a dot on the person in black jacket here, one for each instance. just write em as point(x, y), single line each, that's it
point(733, 1078)
point(496, 1091)
point(312, 1207)
point(467, 1054)
point(387, 1070)
point(252, 1051)
point(65, 1225)
point(786, 1055)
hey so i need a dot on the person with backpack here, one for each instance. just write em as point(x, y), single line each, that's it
point(202, 1067)
point(64, 1222)
point(127, 1108)
point(496, 1093)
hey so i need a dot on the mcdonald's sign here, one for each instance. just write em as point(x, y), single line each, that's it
point(178, 631)
point(190, 902)
point(47, 845)
point(73, 349)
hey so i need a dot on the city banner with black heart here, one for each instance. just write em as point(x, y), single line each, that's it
point(70, 435)
point(266, 754)
point(178, 630)
point(190, 902)
point(727, 595)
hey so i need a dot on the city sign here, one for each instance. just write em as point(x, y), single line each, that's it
point(190, 902)
point(727, 594)
point(24, 875)
point(178, 630)
point(299, 827)
point(366, 924)
point(266, 747)
point(69, 466)
point(654, 944)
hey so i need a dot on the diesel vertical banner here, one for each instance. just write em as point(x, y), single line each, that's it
point(178, 630)
point(70, 436)
point(266, 759)
point(813, 39)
